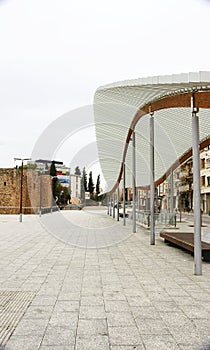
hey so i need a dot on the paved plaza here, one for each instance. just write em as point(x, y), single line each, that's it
point(87, 283)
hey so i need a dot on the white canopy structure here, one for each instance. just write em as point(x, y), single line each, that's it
point(167, 119)
point(121, 106)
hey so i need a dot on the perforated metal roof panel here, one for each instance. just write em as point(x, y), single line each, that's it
point(122, 106)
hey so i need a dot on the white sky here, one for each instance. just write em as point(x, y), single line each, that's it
point(54, 55)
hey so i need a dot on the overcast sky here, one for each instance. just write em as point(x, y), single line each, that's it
point(54, 55)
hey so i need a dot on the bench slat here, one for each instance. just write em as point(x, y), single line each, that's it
point(186, 241)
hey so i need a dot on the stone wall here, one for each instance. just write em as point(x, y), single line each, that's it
point(36, 191)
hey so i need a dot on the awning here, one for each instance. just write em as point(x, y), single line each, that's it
point(120, 107)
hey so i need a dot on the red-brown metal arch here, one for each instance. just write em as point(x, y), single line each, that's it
point(181, 160)
point(201, 100)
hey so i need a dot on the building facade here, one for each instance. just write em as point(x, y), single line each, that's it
point(75, 186)
point(183, 185)
point(176, 192)
point(205, 180)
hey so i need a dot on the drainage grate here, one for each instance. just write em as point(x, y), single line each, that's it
point(13, 305)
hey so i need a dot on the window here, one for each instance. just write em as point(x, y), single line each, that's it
point(5, 184)
point(203, 163)
point(208, 163)
point(202, 180)
point(208, 181)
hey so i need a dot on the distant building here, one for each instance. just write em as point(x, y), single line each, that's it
point(62, 171)
point(63, 175)
point(205, 180)
point(75, 186)
point(181, 195)
point(183, 184)
point(44, 164)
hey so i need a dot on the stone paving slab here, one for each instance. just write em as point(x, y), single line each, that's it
point(13, 304)
point(122, 295)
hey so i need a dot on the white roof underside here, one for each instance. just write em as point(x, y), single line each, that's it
point(115, 106)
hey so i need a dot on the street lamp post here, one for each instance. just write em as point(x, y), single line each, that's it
point(21, 187)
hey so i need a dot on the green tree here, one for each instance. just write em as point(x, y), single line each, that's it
point(91, 185)
point(53, 169)
point(64, 196)
point(97, 187)
point(77, 171)
point(83, 184)
point(56, 188)
point(30, 166)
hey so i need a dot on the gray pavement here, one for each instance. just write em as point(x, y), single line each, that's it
point(187, 225)
point(122, 295)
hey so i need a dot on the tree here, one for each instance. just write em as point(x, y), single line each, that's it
point(54, 178)
point(83, 184)
point(84, 178)
point(97, 187)
point(91, 185)
point(77, 171)
point(56, 188)
point(53, 169)
point(30, 166)
point(64, 196)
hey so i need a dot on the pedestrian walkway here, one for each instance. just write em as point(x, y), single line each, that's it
point(61, 292)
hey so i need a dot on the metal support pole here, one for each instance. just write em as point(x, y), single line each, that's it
point(196, 190)
point(118, 200)
point(110, 205)
point(114, 205)
point(107, 205)
point(134, 179)
point(124, 220)
point(138, 194)
point(40, 196)
point(147, 200)
point(152, 188)
point(172, 192)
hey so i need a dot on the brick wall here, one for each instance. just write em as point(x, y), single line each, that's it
point(36, 191)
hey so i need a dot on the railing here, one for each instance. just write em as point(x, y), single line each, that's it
point(143, 217)
point(47, 210)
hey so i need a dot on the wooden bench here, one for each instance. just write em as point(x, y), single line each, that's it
point(185, 240)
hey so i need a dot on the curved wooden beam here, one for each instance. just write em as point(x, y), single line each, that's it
point(181, 160)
